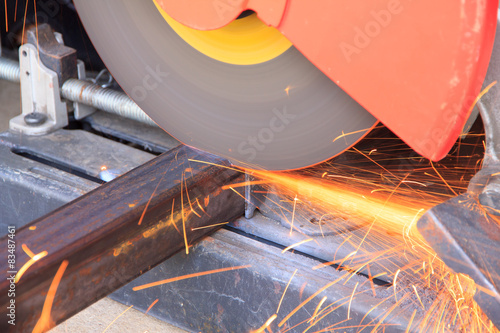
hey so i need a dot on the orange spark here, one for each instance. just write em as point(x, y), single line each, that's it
point(27, 251)
point(183, 219)
point(243, 184)
point(350, 133)
point(188, 276)
point(315, 313)
point(209, 226)
point(310, 298)
point(45, 322)
point(293, 214)
point(114, 320)
point(149, 201)
point(350, 301)
point(151, 306)
point(266, 324)
point(6, 18)
point(296, 244)
point(394, 284)
point(214, 164)
point(33, 227)
point(411, 321)
point(444, 181)
point(28, 264)
point(481, 94)
point(284, 292)
point(418, 296)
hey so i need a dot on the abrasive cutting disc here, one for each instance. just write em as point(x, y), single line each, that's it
point(277, 115)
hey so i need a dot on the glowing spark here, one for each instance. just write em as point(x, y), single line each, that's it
point(444, 181)
point(24, 22)
point(310, 298)
point(266, 324)
point(104, 168)
point(296, 244)
point(232, 189)
point(188, 276)
point(37, 43)
point(372, 160)
point(324, 174)
point(326, 264)
point(372, 151)
point(189, 200)
point(201, 208)
point(151, 306)
point(172, 221)
point(33, 227)
point(414, 182)
point(28, 264)
point(394, 284)
point(411, 321)
point(45, 322)
point(214, 164)
point(293, 214)
point(418, 296)
point(287, 90)
point(315, 313)
point(6, 18)
point(481, 94)
point(350, 133)
point(284, 292)
point(184, 218)
point(243, 184)
point(27, 251)
point(121, 314)
point(149, 201)
point(350, 301)
point(209, 226)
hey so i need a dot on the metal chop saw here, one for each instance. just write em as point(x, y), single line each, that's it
point(271, 84)
point(274, 88)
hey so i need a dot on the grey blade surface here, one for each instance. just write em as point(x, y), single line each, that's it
point(282, 114)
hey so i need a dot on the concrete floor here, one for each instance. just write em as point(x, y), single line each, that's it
point(99, 316)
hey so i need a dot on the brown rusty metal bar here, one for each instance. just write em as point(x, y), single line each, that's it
point(107, 239)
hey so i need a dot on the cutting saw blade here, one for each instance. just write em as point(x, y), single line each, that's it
point(277, 115)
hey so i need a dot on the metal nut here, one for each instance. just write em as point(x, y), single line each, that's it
point(35, 119)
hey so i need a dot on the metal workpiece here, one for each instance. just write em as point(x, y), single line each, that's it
point(118, 231)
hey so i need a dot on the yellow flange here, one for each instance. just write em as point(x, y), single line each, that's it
point(245, 41)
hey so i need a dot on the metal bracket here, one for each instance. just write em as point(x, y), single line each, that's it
point(45, 63)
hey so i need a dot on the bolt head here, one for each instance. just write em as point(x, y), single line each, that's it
point(35, 119)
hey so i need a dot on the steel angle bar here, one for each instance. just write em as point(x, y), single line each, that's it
point(115, 233)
